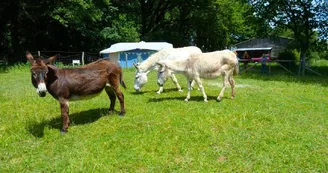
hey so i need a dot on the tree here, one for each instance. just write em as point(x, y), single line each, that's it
point(304, 17)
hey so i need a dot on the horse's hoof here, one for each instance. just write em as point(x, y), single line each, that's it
point(180, 91)
point(205, 100)
point(186, 100)
point(218, 99)
point(158, 92)
point(110, 111)
point(232, 98)
point(121, 114)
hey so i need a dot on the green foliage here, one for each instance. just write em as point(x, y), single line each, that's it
point(91, 25)
point(258, 131)
point(122, 30)
point(288, 55)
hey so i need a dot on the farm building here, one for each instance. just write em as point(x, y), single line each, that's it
point(254, 48)
point(125, 54)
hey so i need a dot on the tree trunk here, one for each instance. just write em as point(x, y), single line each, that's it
point(301, 69)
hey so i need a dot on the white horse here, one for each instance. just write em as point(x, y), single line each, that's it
point(203, 65)
point(150, 64)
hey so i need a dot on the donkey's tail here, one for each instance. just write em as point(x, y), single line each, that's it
point(236, 68)
point(122, 81)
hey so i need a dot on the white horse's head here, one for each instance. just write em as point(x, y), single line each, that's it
point(163, 73)
point(140, 78)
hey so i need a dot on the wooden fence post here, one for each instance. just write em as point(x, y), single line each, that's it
point(82, 58)
point(39, 53)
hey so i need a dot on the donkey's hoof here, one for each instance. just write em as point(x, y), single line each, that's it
point(63, 132)
point(121, 114)
point(110, 111)
point(232, 98)
point(218, 99)
point(158, 92)
point(180, 90)
point(205, 100)
point(186, 100)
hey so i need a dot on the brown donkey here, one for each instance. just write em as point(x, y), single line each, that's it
point(67, 84)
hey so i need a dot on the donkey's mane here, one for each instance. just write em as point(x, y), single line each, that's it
point(150, 62)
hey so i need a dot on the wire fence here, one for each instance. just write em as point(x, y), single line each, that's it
point(66, 58)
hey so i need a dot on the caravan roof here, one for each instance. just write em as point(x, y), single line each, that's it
point(120, 47)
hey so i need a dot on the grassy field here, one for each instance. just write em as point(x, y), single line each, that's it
point(277, 123)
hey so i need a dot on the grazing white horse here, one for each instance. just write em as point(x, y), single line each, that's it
point(203, 65)
point(150, 64)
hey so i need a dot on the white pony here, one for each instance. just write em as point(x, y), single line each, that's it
point(150, 64)
point(203, 65)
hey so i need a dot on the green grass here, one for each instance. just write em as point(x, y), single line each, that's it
point(277, 123)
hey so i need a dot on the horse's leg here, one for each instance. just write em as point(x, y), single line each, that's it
point(64, 107)
point(201, 87)
point(175, 81)
point(225, 83)
point(189, 89)
point(233, 86)
point(110, 92)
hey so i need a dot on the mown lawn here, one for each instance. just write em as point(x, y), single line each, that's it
point(277, 123)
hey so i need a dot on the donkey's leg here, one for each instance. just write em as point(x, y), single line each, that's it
point(189, 89)
point(193, 84)
point(225, 83)
point(233, 86)
point(120, 96)
point(175, 81)
point(114, 81)
point(160, 89)
point(201, 87)
point(64, 107)
point(110, 92)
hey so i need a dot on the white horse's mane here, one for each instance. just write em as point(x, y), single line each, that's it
point(167, 54)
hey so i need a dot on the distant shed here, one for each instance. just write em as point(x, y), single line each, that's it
point(258, 46)
point(125, 54)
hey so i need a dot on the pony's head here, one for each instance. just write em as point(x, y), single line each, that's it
point(140, 78)
point(39, 72)
point(163, 74)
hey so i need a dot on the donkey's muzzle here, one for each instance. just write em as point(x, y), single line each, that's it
point(41, 90)
point(137, 88)
point(42, 94)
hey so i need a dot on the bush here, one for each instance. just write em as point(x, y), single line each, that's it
point(289, 55)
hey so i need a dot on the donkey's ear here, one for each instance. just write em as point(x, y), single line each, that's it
point(51, 59)
point(29, 57)
point(161, 64)
point(147, 72)
point(136, 66)
point(52, 71)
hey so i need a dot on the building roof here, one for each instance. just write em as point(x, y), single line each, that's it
point(121, 47)
point(253, 49)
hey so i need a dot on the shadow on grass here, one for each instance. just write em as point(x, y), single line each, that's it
point(154, 91)
point(181, 98)
point(84, 117)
